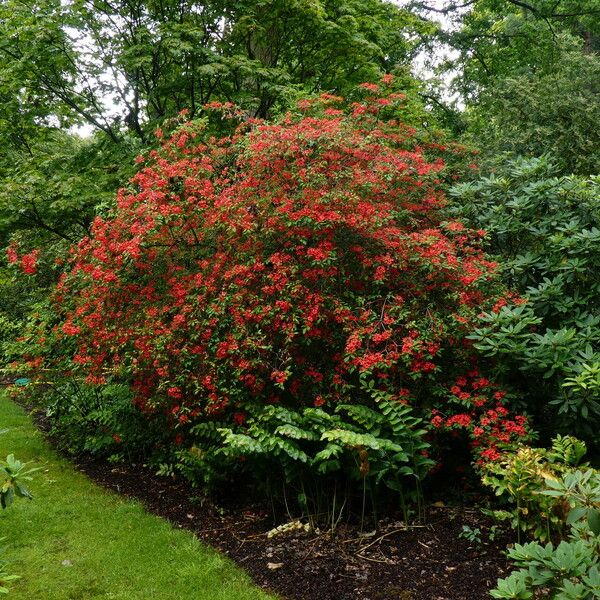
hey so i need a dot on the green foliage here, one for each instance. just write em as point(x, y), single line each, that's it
point(479, 538)
point(471, 534)
point(70, 61)
point(518, 478)
point(526, 72)
point(569, 571)
point(547, 486)
point(567, 450)
point(53, 189)
point(545, 231)
point(530, 481)
point(554, 112)
point(382, 443)
point(324, 441)
point(14, 475)
point(102, 421)
point(498, 39)
point(581, 491)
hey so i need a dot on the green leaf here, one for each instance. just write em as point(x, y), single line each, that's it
point(593, 517)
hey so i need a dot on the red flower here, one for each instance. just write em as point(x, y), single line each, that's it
point(239, 418)
point(462, 420)
point(174, 392)
point(70, 329)
point(29, 262)
point(279, 376)
point(490, 454)
point(11, 254)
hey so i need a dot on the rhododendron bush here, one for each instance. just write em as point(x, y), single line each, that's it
point(281, 265)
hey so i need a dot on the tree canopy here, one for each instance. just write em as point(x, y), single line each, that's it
point(129, 64)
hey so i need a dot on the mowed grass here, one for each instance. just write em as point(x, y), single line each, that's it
point(75, 541)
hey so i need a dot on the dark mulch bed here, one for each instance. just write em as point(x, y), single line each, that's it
point(428, 562)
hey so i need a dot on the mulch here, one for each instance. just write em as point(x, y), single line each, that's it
point(394, 562)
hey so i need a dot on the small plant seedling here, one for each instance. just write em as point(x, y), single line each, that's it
point(471, 534)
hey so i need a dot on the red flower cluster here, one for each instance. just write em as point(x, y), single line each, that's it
point(27, 262)
point(279, 264)
point(484, 417)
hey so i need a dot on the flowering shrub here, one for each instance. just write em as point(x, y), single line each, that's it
point(281, 265)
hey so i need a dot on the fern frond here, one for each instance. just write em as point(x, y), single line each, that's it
point(363, 415)
point(297, 433)
point(351, 439)
point(239, 444)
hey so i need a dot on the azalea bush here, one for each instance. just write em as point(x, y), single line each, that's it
point(287, 264)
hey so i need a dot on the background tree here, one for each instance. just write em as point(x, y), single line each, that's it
point(554, 112)
point(151, 60)
point(526, 72)
point(123, 68)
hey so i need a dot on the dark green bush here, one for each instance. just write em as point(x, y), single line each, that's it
point(545, 232)
point(99, 420)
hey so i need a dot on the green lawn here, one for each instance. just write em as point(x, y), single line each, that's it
point(76, 541)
